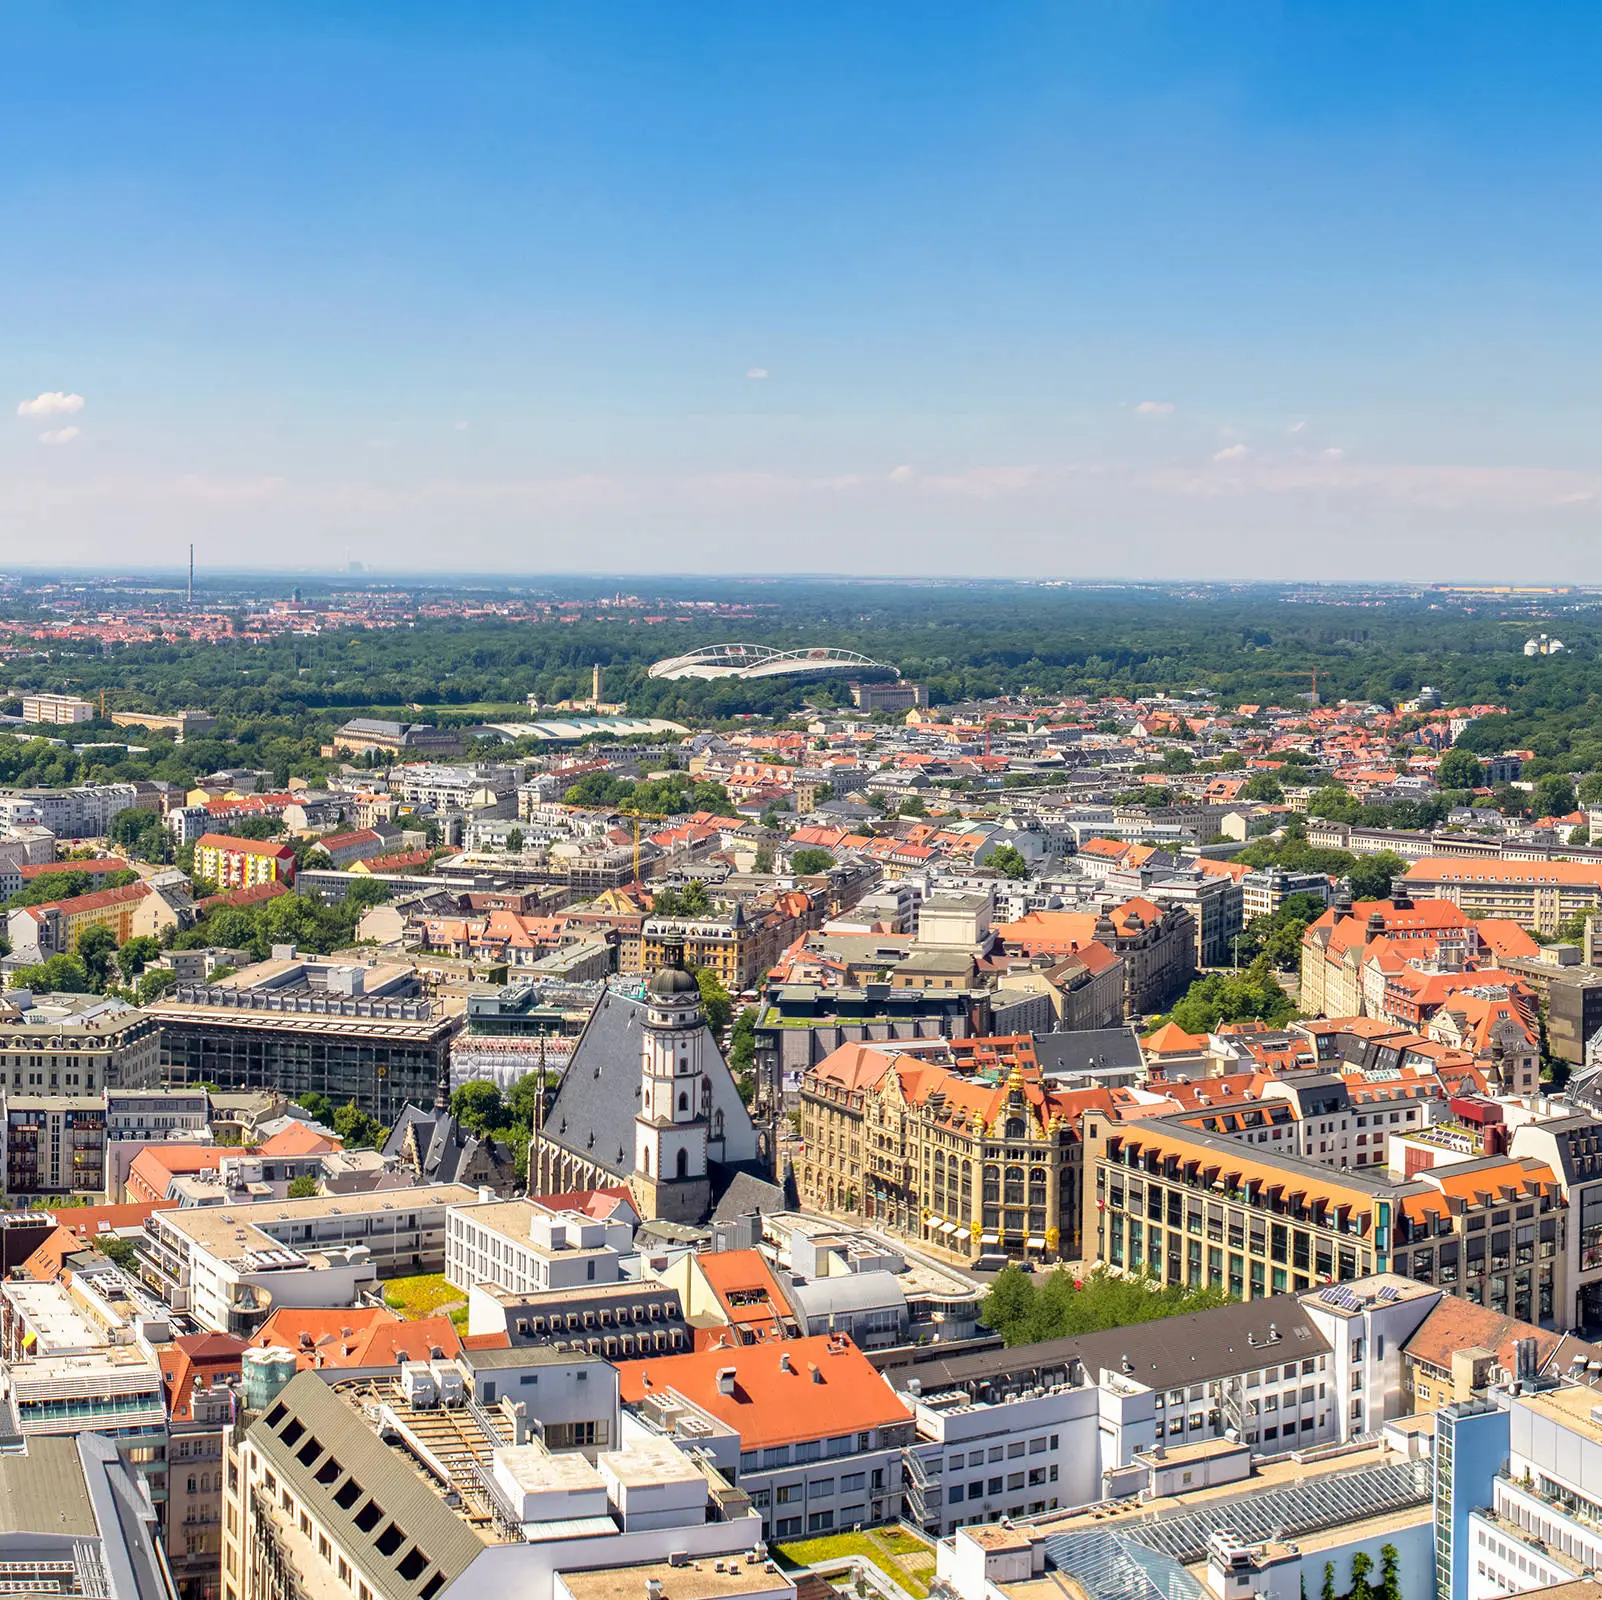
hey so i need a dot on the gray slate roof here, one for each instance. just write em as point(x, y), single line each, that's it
point(592, 1113)
point(748, 1194)
point(447, 1147)
point(1166, 1354)
point(1087, 1050)
point(403, 1498)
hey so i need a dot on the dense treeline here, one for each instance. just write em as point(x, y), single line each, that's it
point(962, 641)
point(1025, 1310)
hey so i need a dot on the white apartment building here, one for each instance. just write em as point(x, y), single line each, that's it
point(1366, 1323)
point(977, 1461)
point(56, 708)
point(82, 812)
point(442, 787)
point(229, 1266)
point(528, 1248)
point(805, 1426)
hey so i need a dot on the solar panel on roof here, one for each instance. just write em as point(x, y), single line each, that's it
point(1390, 1292)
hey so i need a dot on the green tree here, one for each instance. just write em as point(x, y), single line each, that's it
point(742, 1053)
point(155, 983)
point(136, 955)
point(1554, 795)
point(1279, 936)
point(1265, 787)
point(524, 1097)
point(694, 899)
point(715, 1000)
point(67, 884)
point(1026, 1310)
point(97, 950)
point(318, 1107)
point(478, 1106)
point(913, 806)
point(1252, 995)
point(1370, 876)
point(356, 1129)
point(764, 859)
point(1327, 1592)
point(303, 1187)
point(514, 841)
point(1008, 861)
point(1459, 769)
point(809, 861)
point(1362, 1565)
point(141, 834)
point(118, 1251)
point(60, 974)
point(1010, 1304)
point(255, 828)
point(1509, 801)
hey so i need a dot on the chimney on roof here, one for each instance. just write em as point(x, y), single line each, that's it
point(817, 1376)
point(725, 1380)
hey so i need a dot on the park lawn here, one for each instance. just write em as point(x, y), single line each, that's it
point(902, 1558)
point(425, 1295)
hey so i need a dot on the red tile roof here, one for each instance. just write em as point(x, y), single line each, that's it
point(355, 1336)
point(785, 1393)
point(189, 1361)
point(99, 866)
point(252, 895)
point(245, 847)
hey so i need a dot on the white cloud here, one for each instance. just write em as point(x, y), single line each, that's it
point(1296, 427)
point(58, 435)
point(1154, 408)
point(756, 372)
point(52, 403)
point(902, 474)
point(1334, 453)
point(1231, 452)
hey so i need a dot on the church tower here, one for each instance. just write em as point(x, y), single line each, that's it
point(671, 1177)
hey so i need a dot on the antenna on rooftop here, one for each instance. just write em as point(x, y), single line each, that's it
point(191, 574)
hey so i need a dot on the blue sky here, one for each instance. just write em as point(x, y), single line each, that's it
point(1074, 289)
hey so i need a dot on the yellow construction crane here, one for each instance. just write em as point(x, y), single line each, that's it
point(1306, 672)
point(639, 816)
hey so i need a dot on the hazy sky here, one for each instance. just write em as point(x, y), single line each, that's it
point(1099, 288)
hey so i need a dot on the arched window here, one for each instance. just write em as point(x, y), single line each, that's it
point(684, 1101)
point(648, 1161)
point(717, 1124)
point(1016, 1128)
point(683, 1169)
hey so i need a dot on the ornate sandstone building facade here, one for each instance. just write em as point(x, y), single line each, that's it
point(961, 1148)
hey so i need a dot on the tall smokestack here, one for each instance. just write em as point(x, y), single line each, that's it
point(595, 683)
point(191, 574)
